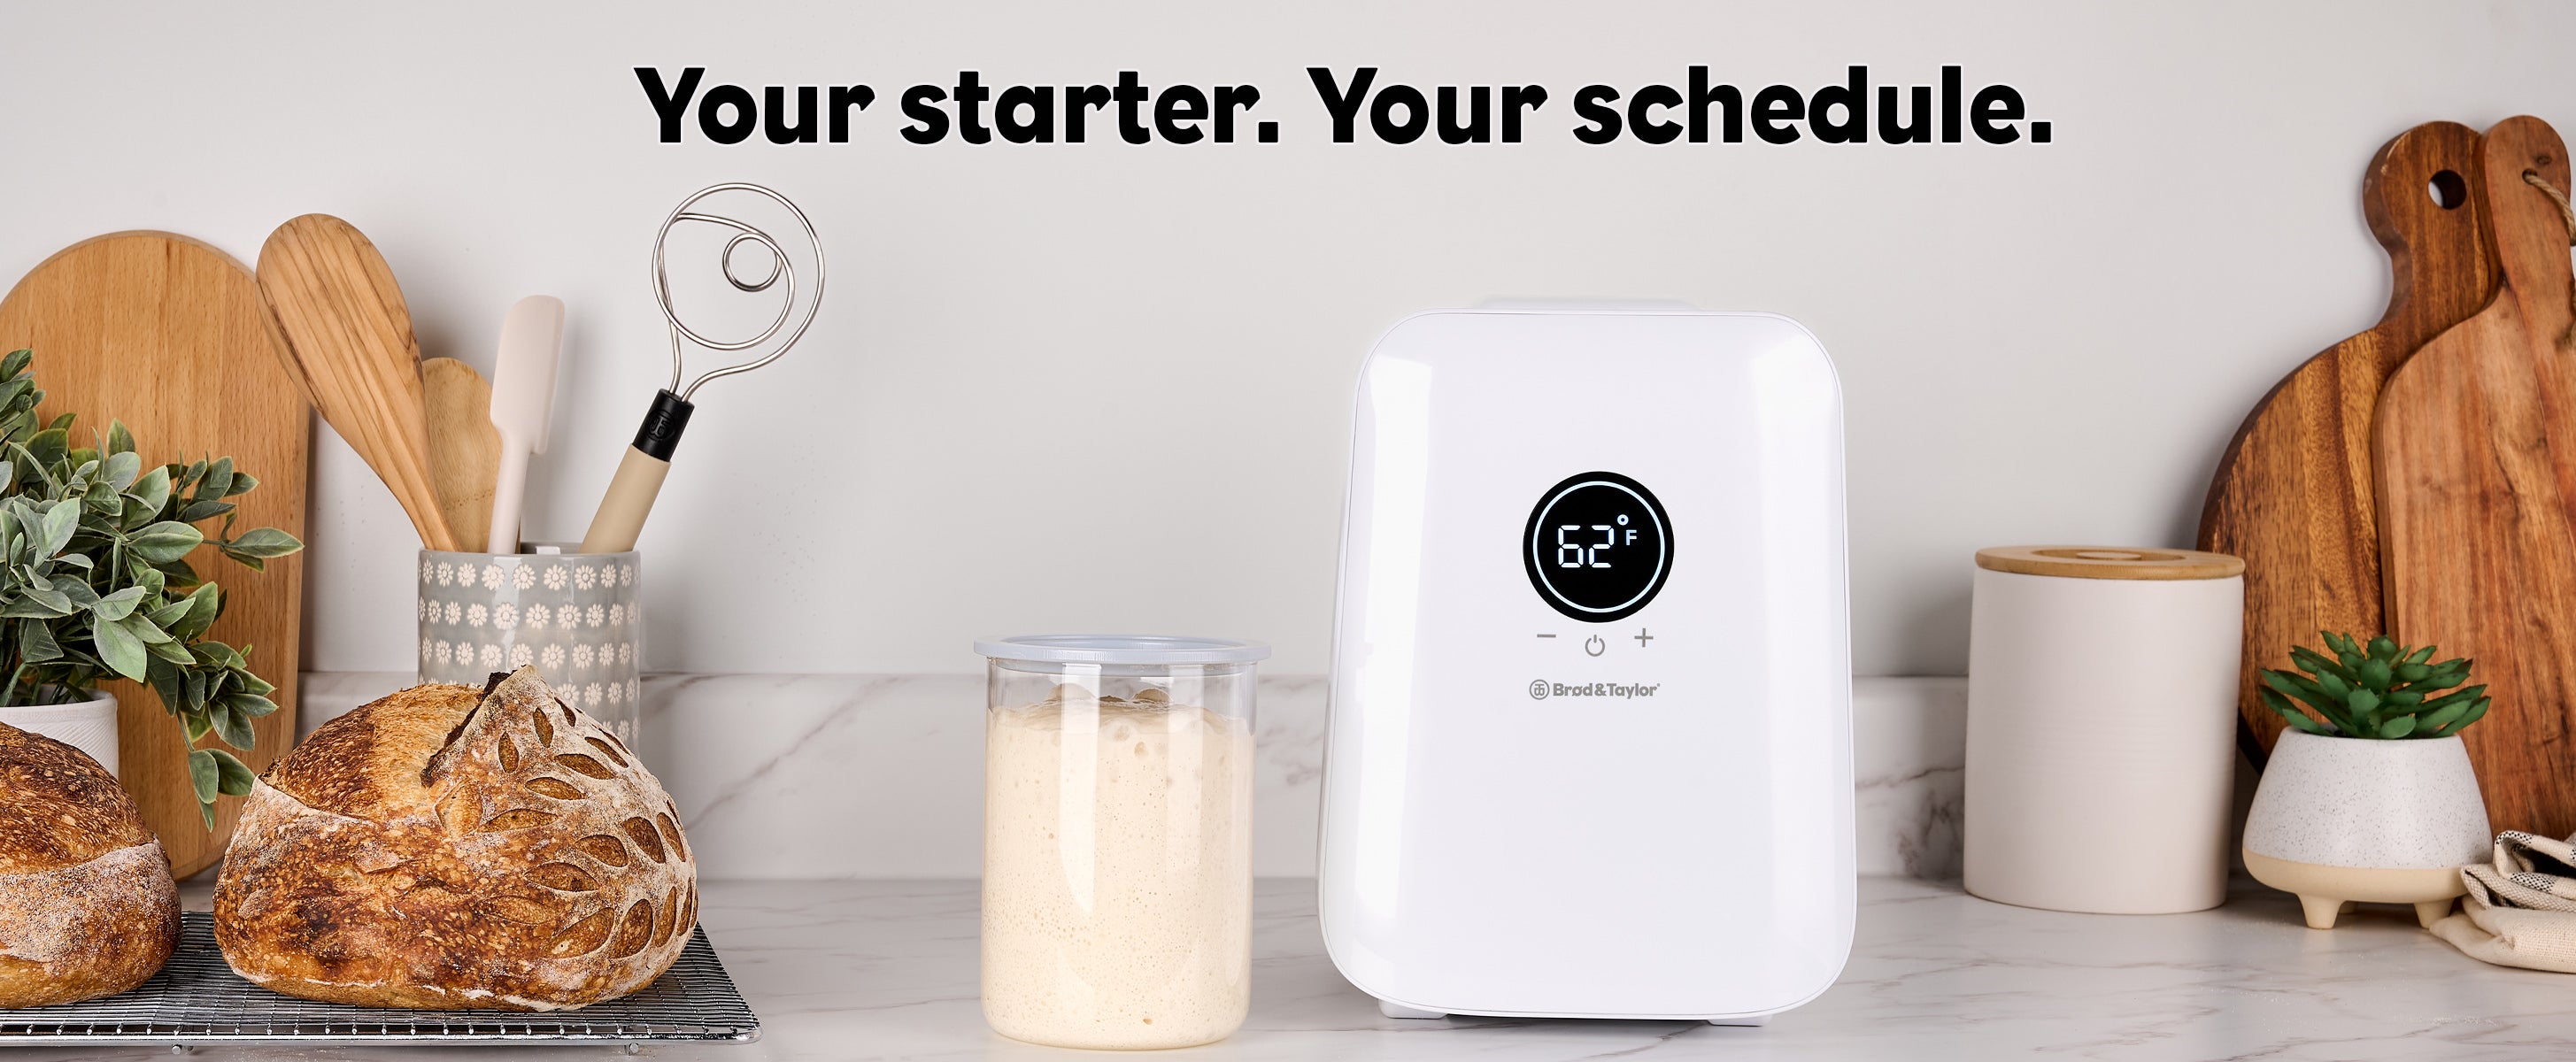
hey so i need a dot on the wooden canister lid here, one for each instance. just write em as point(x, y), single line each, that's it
point(2110, 562)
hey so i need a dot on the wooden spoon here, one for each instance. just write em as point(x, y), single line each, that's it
point(341, 325)
point(464, 447)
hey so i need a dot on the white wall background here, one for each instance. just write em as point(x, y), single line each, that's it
point(1103, 386)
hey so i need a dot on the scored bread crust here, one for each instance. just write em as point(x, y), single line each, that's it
point(87, 907)
point(449, 850)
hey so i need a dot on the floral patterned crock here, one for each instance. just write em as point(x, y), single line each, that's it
point(579, 617)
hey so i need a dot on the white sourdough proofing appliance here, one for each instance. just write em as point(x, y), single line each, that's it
point(1590, 748)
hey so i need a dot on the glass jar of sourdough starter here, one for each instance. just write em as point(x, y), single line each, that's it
point(1118, 839)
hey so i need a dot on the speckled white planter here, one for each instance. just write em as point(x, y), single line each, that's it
point(2338, 820)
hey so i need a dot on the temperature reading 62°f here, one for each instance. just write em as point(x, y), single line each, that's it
point(1597, 546)
point(1573, 551)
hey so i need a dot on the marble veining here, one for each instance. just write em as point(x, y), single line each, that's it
point(865, 970)
point(1909, 752)
point(891, 767)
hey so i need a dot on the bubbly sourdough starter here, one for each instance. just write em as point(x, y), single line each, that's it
point(1117, 874)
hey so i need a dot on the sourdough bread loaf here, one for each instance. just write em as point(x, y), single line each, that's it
point(448, 849)
point(87, 907)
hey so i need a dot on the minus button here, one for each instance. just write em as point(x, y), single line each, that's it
point(1547, 636)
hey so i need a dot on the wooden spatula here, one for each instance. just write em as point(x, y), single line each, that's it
point(464, 448)
point(2477, 472)
point(346, 335)
point(2293, 495)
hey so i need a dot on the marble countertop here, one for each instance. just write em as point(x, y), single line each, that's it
point(886, 970)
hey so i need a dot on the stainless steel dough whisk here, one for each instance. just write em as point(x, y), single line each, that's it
point(639, 476)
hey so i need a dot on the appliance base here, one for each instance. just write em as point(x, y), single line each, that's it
point(1399, 1010)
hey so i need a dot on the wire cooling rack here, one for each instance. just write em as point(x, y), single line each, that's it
point(198, 999)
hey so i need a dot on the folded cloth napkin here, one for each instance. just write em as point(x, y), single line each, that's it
point(2520, 910)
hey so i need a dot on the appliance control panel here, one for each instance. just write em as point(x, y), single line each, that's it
point(1597, 548)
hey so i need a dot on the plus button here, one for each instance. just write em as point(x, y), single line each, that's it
point(1643, 637)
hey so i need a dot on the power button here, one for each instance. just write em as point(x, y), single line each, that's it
point(1594, 646)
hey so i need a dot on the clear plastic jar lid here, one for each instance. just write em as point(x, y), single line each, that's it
point(1121, 649)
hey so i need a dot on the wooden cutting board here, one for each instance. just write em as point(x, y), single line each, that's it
point(2293, 495)
point(166, 334)
point(2477, 471)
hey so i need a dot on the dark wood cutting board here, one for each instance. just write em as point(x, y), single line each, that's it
point(167, 335)
point(2477, 472)
point(2293, 495)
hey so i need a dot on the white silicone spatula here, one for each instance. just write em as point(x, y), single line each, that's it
point(523, 392)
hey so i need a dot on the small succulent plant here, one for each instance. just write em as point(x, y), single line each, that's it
point(2379, 690)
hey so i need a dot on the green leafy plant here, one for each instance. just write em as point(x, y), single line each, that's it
point(2381, 690)
point(95, 584)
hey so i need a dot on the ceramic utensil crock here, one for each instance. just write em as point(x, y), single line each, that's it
point(579, 617)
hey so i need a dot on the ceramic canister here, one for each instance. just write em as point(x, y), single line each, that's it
point(579, 617)
point(2102, 727)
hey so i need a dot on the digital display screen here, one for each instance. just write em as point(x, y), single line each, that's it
point(1598, 547)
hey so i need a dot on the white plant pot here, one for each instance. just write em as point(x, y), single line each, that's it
point(2342, 820)
point(89, 726)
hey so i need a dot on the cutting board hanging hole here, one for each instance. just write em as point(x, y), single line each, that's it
point(2449, 190)
point(2567, 213)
